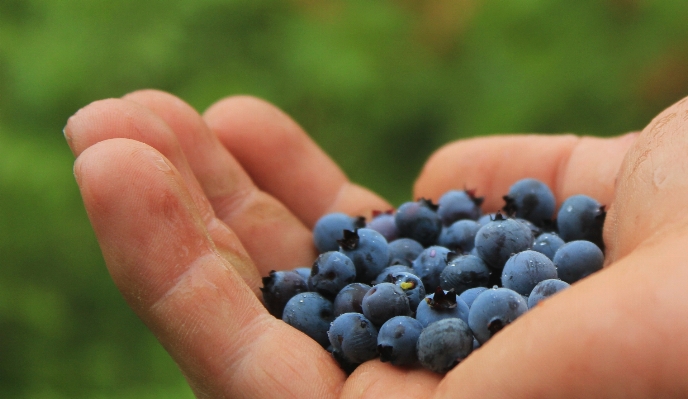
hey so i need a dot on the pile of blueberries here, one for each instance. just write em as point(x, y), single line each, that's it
point(428, 284)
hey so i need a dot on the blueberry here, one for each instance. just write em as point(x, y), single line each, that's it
point(470, 294)
point(304, 272)
point(476, 344)
point(524, 270)
point(411, 285)
point(368, 250)
point(544, 289)
point(279, 287)
point(383, 223)
point(444, 344)
point(349, 298)
point(464, 272)
point(547, 243)
point(403, 251)
point(532, 200)
point(500, 238)
point(384, 301)
point(331, 272)
point(494, 309)
point(389, 270)
point(534, 230)
point(456, 205)
point(430, 263)
point(581, 218)
point(397, 339)
point(353, 338)
point(419, 220)
point(441, 305)
point(328, 229)
point(310, 313)
point(459, 236)
point(578, 259)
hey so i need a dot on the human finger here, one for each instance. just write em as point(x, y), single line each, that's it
point(651, 184)
point(282, 160)
point(617, 330)
point(378, 380)
point(161, 257)
point(568, 164)
point(114, 118)
point(271, 234)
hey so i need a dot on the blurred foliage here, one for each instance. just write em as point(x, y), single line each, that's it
point(378, 84)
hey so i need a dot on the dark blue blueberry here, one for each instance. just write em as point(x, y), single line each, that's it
point(403, 251)
point(382, 277)
point(464, 272)
point(534, 230)
point(459, 236)
point(349, 299)
point(581, 218)
point(444, 344)
point(498, 239)
point(310, 313)
point(547, 243)
point(353, 338)
point(578, 259)
point(419, 220)
point(430, 264)
point(470, 294)
point(545, 289)
point(524, 270)
point(384, 301)
point(304, 272)
point(279, 287)
point(411, 285)
point(368, 250)
point(331, 272)
point(494, 309)
point(397, 339)
point(383, 223)
point(532, 200)
point(441, 305)
point(328, 229)
point(456, 205)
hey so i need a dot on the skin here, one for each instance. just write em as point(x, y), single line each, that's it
point(191, 210)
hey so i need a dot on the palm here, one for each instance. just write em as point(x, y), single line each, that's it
point(187, 244)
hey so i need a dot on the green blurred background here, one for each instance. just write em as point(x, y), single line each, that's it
point(378, 84)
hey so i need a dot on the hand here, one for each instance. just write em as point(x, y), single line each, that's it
point(190, 211)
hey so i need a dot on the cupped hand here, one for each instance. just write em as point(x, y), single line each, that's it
point(191, 210)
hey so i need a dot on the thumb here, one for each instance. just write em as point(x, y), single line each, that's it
point(651, 186)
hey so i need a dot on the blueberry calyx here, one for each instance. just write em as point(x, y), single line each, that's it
point(510, 206)
point(498, 216)
point(428, 204)
point(386, 353)
point(360, 222)
point(378, 212)
point(350, 240)
point(268, 281)
point(478, 201)
point(495, 325)
point(441, 301)
point(451, 255)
